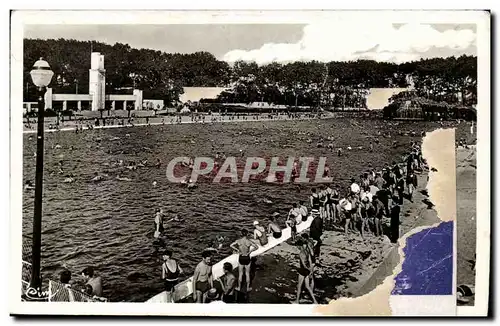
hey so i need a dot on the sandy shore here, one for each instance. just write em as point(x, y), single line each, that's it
point(466, 217)
point(348, 265)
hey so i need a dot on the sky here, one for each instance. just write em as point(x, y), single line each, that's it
point(336, 40)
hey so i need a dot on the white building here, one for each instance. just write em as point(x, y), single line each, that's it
point(97, 96)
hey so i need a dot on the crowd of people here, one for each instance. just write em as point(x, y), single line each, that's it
point(81, 123)
point(374, 196)
point(362, 209)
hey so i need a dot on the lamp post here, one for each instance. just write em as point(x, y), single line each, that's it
point(41, 75)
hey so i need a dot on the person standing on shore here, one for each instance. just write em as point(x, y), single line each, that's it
point(305, 270)
point(327, 204)
point(244, 247)
point(355, 210)
point(400, 186)
point(159, 228)
point(411, 182)
point(395, 212)
point(202, 278)
point(366, 213)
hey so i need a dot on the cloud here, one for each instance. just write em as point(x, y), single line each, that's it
point(343, 40)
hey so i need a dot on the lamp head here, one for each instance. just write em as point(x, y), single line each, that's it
point(41, 74)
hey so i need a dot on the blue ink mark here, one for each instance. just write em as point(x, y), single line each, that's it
point(428, 266)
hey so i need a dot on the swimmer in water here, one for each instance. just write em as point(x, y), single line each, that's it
point(69, 179)
point(191, 184)
point(202, 278)
point(97, 177)
point(217, 243)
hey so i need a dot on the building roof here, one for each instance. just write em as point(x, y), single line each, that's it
point(195, 94)
point(378, 98)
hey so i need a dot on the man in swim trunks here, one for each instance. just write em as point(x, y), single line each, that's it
point(328, 205)
point(367, 214)
point(314, 201)
point(202, 278)
point(355, 210)
point(315, 233)
point(335, 198)
point(322, 199)
point(244, 247)
point(345, 209)
point(310, 246)
point(273, 226)
point(379, 182)
point(365, 182)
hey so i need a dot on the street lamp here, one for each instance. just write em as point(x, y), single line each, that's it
point(41, 75)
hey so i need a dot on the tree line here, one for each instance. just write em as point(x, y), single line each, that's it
point(163, 75)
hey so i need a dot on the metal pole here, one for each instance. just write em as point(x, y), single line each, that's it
point(36, 281)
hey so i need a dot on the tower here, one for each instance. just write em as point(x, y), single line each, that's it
point(97, 81)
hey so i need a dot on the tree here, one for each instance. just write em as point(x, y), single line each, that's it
point(163, 75)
